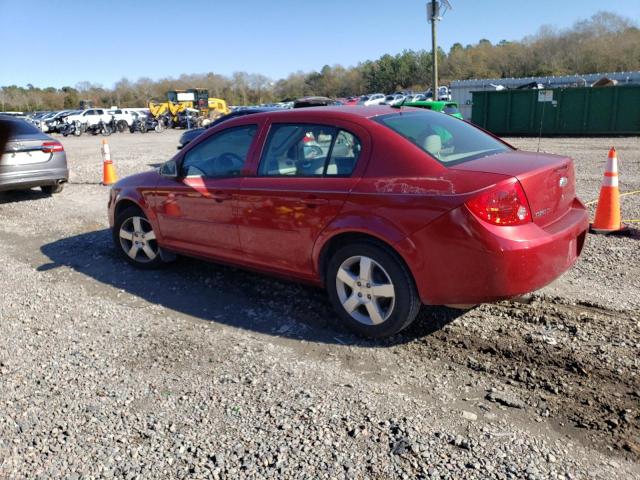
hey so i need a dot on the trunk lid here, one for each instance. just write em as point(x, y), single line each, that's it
point(548, 180)
point(25, 151)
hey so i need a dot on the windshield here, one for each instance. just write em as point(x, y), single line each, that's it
point(445, 138)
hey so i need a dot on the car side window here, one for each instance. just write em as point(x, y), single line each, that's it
point(306, 150)
point(222, 155)
point(344, 154)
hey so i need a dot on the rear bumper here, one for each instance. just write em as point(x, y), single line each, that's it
point(32, 178)
point(463, 260)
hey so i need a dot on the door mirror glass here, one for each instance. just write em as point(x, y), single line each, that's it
point(169, 169)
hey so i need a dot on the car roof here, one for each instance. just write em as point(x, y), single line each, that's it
point(339, 111)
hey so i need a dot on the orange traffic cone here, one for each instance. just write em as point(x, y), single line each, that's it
point(108, 171)
point(608, 218)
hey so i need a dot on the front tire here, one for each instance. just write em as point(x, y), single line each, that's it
point(372, 290)
point(135, 240)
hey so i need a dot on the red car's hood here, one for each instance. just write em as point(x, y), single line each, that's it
point(548, 180)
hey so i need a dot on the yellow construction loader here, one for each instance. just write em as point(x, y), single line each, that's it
point(179, 101)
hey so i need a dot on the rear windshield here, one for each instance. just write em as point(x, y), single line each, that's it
point(20, 127)
point(450, 109)
point(445, 138)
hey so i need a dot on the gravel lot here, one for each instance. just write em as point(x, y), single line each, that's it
point(203, 371)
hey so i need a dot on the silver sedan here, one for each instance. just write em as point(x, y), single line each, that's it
point(31, 159)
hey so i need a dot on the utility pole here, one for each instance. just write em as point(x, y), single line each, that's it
point(435, 11)
point(434, 14)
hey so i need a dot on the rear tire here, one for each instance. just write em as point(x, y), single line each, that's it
point(135, 240)
point(51, 189)
point(371, 290)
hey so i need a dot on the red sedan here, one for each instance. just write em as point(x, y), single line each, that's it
point(387, 208)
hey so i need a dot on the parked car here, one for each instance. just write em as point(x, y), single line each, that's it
point(444, 94)
point(31, 159)
point(39, 119)
point(90, 116)
point(123, 115)
point(398, 99)
point(458, 216)
point(450, 108)
point(53, 123)
point(375, 99)
point(189, 135)
point(14, 114)
point(306, 102)
point(141, 112)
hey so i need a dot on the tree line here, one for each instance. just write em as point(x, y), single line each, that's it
point(606, 42)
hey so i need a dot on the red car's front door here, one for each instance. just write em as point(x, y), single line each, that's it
point(197, 212)
point(305, 175)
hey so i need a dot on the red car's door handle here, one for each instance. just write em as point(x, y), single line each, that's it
point(314, 201)
point(220, 196)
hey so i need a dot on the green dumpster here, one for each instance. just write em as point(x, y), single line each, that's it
point(559, 111)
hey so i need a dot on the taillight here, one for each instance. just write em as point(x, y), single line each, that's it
point(502, 205)
point(50, 147)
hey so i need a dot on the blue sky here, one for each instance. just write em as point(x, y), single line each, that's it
point(56, 43)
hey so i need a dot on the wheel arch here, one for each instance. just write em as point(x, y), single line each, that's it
point(123, 204)
point(333, 243)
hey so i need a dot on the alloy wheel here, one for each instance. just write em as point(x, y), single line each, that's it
point(138, 239)
point(365, 290)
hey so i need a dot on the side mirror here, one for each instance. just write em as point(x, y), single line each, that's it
point(169, 169)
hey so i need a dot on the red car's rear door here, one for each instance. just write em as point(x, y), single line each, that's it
point(280, 218)
point(305, 175)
